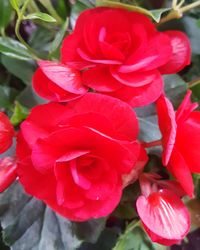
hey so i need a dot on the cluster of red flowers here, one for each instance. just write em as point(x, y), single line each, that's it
point(79, 151)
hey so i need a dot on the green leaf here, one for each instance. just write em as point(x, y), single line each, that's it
point(5, 13)
point(193, 32)
point(41, 16)
point(90, 230)
point(19, 114)
point(106, 241)
point(55, 45)
point(7, 96)
point(13, 48)
point(136, 239)
point(175, 88)
point(29, 98)
point(40, 40)
point(15, 4)
point(149, 130)
point(29, 224)
point(154, 14)
point(21, 69)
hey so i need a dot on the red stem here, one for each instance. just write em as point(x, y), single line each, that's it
point(152, 144)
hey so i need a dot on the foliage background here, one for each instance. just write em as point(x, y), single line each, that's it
point(28, 224)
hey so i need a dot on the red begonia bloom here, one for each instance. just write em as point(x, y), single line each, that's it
point(164, 216)
point(57, 82)
point(181, 139)
point(120, 53)
point(6, 133)
point(7, 172)
point(74, 156)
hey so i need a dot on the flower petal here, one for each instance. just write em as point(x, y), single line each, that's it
point(167, 124)
point(164, 214)
point(181, 53)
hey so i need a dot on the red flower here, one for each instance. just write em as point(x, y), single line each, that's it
point(57, 82)
point(122, 54)
point(74, 157)
point(6, 133)
point(181, 139)
point(164, 216)
point(7, 172)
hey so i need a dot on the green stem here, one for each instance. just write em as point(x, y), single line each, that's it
point(194, 83)
point(190, 6)
point(177, 11)
point(123, 236)
point(17, 32)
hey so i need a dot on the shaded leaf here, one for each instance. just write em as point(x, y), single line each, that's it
point(41, 16)
point(106, 241)
point(21, 69)
point(55, 45)
point(193, 32)
point(136, 239)
point(175, 88)
point(19, 114)
point(5, 13)
point(85, 230)
point(28, 224)
point(28, 98)
point(7, 96)
point(13, 48)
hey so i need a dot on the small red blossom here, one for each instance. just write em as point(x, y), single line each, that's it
point(6, 133)
point(74, 156)
point(164, 216)
point(120, 53)
point(180, 139)
point(7, 172)
point(57, 82)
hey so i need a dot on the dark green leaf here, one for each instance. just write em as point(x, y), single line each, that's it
point(175, 89)
point(106, 241)
point(41, 16)
point(7, 97)
point(193, 32)
point(5, 13)
point(149, 130)
point(136, 239)
point(29, 224)
point(62, 9)
point(40, 40)
point(13, 48)
point(21, 69)
point(90, 230)
point(19, 114)
point(58, 39)
point(29, 98)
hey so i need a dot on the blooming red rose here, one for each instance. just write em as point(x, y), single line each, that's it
point(57, 82)
point(120, 53)
point(74, 156)
point(6, 133)
point(181, 139)
point(164, 216)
